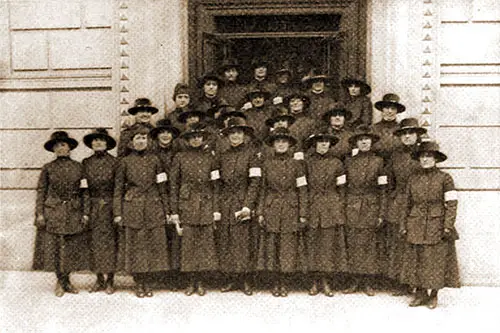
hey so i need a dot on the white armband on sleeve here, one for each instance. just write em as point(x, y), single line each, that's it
point(450, 195)
point(355, 151)
point(161, 177)
point(83, 183)
point(254, 172)
point(382, 180)
point(301, 181)
point(299, 156)
point(277, 100)
point(214, 175)
point(341, 180)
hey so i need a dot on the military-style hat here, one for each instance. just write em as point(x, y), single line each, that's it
point(306, 100)
point(409, 124)
point(142, 104)
point(312, 139)
point(390, 100)
point(195, 129)
point(60, 136)
point(181, 88)
point(190, 113)
point(363, 131)
point(432, 147)
point(280, 133)
point(314, 76)
point(235, 124)
point(335, 112)
point(259, 62)
point(365, 87)
point(258, 92)
point(210, 77)
point(228, 64)
point(284, 68)
point(164, 125)
point(99, 133)
point(280, 112)
point(231, 112)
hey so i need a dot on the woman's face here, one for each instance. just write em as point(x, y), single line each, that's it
point(318, 86)
point(210, 88)
point(296, 105)
point(258, 101)
point(61, 149)
point(427, 160)
point(192, 120)
point(231, 74)
point(260, 72)
point(283, 78)
point(165, 138)
point(99, 144)
point(281, 145)
point(196, 140)
point(389, 113)
point(143, 117)
point(236, 137)
point(408, 138)
point(354, 90)
point(182, 100)
point(322, 146)
point(364, 143)
point(337, 121)
point(281, 123)
point(140, 142)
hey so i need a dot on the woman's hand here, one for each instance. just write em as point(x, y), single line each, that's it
point(118, 221)
point(40, 222)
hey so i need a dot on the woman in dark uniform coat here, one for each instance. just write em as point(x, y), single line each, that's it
point(99, 172)
point(210, 96)
point(193, 197)
point(430, 259)
point(336, 124)
point(325, 238)
point(401, 167)
point(304, 125)
point(281, 211)
point(365, 210)
point(140, 205)
point(61, 240)
point(357, 101)
point(240, 173)
point(164, 135)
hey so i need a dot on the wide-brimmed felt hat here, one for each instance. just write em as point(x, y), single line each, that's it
point(164, 125)
point(280, 133)
point(363, 131)
point(259, 62)
point(228, 64)
point(237, 124)
point(336, 111)
point(312, 139)
point(280, 112)
point(314, 76)
point(284, 68)
point(231, 113)
point(99, 133)
point(409, 124)
point(365, 87)
point(181, 88)
point(190, 113)
point(258, 92)
point(142, 104)
point(390, 100)
point(195, 129)
point(60, 136)
point(210, 76)
point(305, 99)
point(432, 147)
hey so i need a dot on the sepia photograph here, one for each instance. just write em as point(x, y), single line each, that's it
point(249, 165)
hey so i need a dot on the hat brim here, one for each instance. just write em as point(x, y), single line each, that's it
point(354, 139)
point(110, 142)
point(271, 121)
point(49, 145)
point(183, 116)
point(439, 156)
point(311, 141)
point(226, 115)
point(310, 80)
point(134, 110)
point(329, 114)
point(188, 134)
point(273, 137)
point(157, 130)
point(204, 79)
point(365, 87)
point(304, 98)
point(244, 128)
point(418, 130)
point(252, 95)
point(380, 105)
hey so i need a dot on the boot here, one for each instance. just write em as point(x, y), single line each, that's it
point(327, 290)
point(110, 289)
point(68, 287)
point(313, 291)
point(99, 284)
point(283, 291)
point(148, 292)
point(201, 289)
point(229, 286)
point(247, 288)
point(59, 290)
point(368, 290)
point(190, 289)
point(433, 299)
point(420, 298)
point(276, 290)
point(139, 290)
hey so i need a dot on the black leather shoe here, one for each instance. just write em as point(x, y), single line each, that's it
point(139, 291)
point(110, 288)
point(276, 291)
point(59, 290)
point(314, 289)
point(227, 288)
point(369, 291)
point(201, 290)
point(327, 290)
point(247, 289)
point(351, 290)
point(98, 286)
point(419, 300)
point(432, 302)
point(68, 287)
point(147, 291)
point(283, 291)
point(189, 290)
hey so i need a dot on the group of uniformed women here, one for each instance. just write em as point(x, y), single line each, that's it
point(271, 185)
